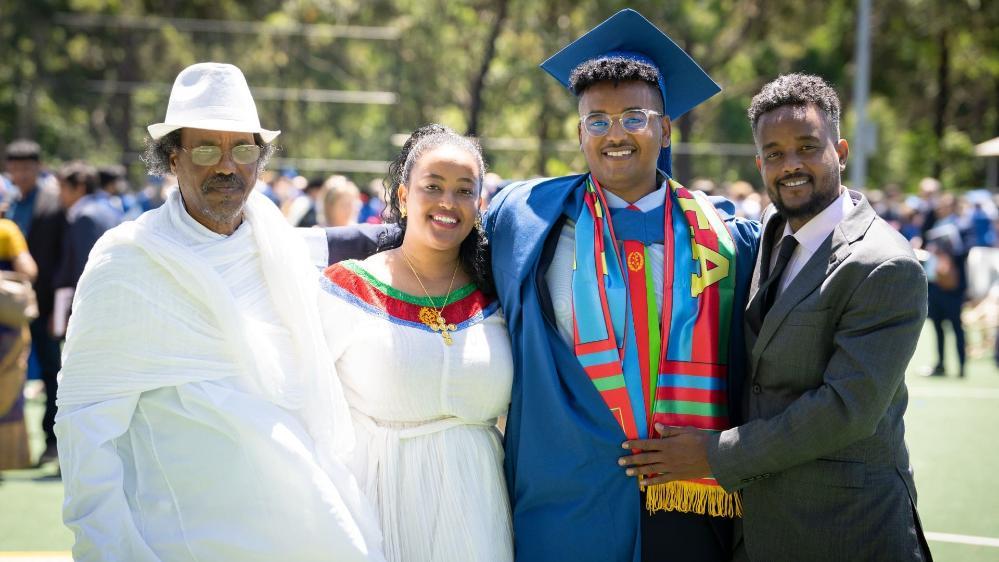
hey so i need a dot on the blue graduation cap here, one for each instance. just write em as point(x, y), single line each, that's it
point(683, 83)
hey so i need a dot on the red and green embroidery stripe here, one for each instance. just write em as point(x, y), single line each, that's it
point(350, 281)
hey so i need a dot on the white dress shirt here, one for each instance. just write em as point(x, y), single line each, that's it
point(811, 236)
point(559, 274)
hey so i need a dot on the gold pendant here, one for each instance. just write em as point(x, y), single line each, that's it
point(435, 321)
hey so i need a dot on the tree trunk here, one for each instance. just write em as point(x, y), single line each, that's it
point(127, 73)
point(682, 162)
point(551, 39)
point(544, 127)
point(478, 85)
point(27, 98)
point(995, 122)
point(943, 97)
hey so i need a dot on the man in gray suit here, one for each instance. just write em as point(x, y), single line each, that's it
point(836, 307)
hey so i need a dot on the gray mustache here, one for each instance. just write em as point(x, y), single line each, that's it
point(223, 181)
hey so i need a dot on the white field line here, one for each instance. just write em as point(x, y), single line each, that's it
point(962, 539)
point(67, 557)
point(36, 556)
point(923, 391)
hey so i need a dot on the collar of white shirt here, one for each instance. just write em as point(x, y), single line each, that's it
point(811, 235)
point(651, 201)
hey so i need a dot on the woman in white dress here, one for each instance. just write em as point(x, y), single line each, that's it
point(422, 349)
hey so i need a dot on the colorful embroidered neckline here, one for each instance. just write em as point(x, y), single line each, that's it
point(351, 282)
point(357, 268)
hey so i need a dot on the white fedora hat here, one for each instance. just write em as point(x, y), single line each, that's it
point(213, 96)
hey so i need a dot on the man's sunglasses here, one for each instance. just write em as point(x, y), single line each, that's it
point(209, 155)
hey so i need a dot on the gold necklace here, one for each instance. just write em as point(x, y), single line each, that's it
point(432, 316)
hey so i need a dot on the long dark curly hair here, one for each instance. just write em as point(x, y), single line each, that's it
point(474, 250)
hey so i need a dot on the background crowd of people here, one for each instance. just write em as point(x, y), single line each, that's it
point(53, 215)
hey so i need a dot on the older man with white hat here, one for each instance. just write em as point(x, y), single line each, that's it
point(200, 417)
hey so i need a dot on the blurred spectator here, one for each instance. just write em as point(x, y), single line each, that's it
point(284, 189)
point(704, 184)
point(341, 201)
point(491, 184)
point(981, 217)
point(947, 280)
point(88, 217)
point(152, 195)
point(929, 190)
point(373, 203)
point(909, 223)
point(15, 343)
point(114, 189)
point(879, 202)
point(263, 186)
point(42, 220)
point(748, 203)
point(8, 195)
point(892, 203)
point(303, 211)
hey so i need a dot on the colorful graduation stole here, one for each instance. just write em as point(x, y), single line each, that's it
point(672, 369)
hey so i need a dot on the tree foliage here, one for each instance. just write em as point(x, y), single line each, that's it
point(86, 88)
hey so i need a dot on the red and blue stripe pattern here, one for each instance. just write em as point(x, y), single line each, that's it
point(693, 372)
point(672, 369)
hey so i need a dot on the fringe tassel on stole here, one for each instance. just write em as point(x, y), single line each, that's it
point(693, 497)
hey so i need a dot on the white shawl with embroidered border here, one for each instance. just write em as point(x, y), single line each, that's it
point(150, 313)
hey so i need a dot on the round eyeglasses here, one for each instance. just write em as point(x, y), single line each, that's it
point(209, 155)
point(633, 121)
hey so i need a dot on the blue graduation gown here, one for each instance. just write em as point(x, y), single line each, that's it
point(570, 499)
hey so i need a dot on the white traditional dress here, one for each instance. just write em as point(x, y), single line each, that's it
point(199, 417)
point(427, 452)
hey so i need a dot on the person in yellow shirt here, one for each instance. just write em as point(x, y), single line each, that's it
point(15, 342)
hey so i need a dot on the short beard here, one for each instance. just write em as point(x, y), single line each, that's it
point(814, 206)
point(816, 203)
point(228, 210)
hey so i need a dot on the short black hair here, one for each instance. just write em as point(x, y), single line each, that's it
point(23, 149)
point(314, 184)
point(110, 174)
point(78, 172)
point(797, 90)
point(614, 69)
point(473, 253)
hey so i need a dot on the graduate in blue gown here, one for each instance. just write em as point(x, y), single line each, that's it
point(570, 499)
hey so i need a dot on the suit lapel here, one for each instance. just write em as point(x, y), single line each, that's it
point(833, 251)
point(829, 255)
point(774, 224)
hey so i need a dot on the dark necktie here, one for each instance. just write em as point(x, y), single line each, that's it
point(772, 285)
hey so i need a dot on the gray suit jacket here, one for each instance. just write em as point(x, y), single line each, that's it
point(822, 462)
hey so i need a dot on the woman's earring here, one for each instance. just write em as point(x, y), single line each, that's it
point(402, 213)
point(478, 222)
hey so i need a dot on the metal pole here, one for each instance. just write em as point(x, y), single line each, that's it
point(861, 87)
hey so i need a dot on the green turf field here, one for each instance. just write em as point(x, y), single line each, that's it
point(949, 431)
